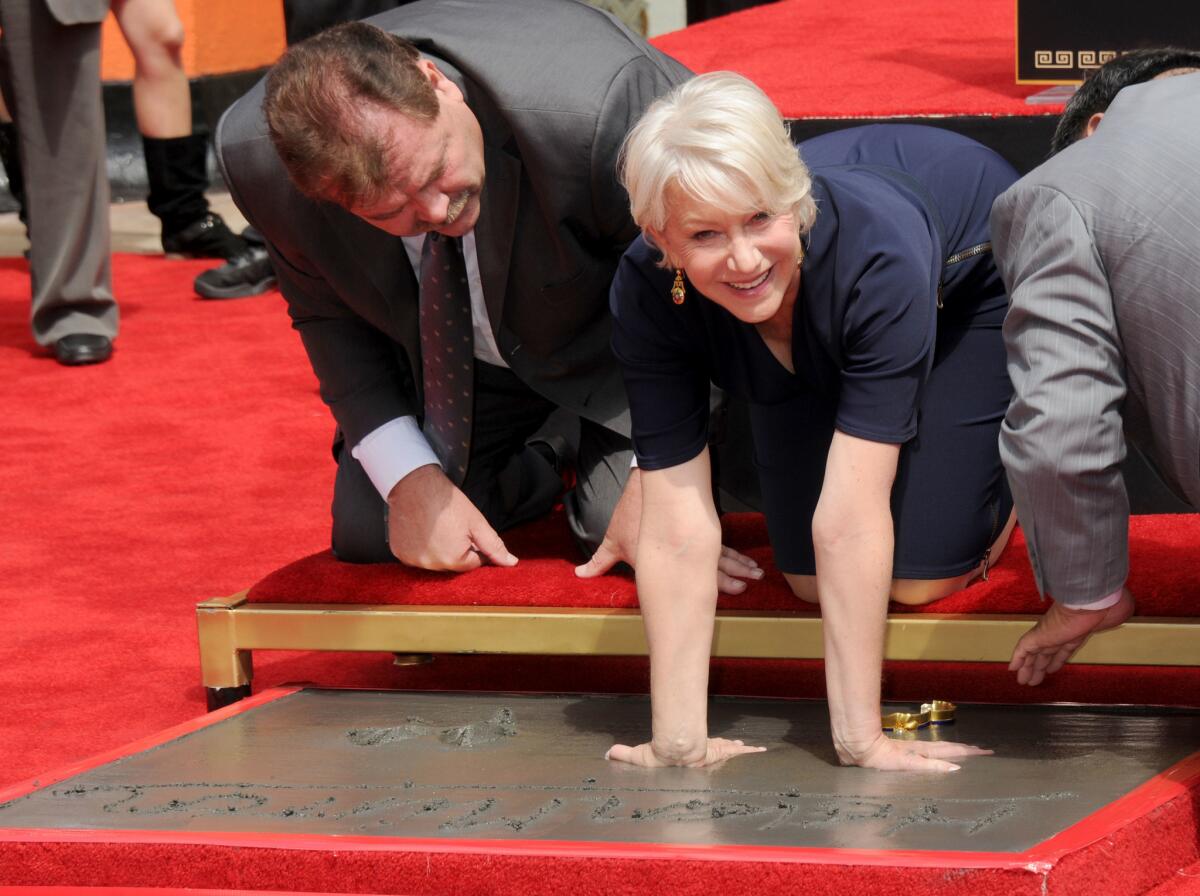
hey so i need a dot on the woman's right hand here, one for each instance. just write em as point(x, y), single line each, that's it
point(717, 750)
point(887, 754)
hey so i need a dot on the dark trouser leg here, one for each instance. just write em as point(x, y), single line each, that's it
point(731, 447)
point(602, 469)
point(360, 533)
point(507, 480)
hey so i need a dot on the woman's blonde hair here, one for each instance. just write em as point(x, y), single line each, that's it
point(718, 139)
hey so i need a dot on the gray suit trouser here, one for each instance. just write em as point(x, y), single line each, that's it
point(53, 85)
point(509, 481)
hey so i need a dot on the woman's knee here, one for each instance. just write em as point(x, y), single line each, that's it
point(918, 592)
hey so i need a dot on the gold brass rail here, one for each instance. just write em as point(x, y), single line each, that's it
point(230, 628)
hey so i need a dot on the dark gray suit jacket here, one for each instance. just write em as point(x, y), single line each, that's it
point(555, 86)
point(1100, 250)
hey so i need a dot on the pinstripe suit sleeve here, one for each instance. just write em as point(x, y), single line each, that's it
point(1062, 441)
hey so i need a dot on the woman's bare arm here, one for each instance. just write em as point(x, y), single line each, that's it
point(679, 546)
point(854, 542)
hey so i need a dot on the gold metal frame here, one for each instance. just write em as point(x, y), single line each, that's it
point(230, 629)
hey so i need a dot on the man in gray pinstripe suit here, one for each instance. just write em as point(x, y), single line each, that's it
point(1100, 250)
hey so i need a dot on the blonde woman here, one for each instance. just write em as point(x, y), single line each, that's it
point(857, 309)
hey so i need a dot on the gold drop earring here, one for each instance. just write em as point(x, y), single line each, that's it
point(678, 291)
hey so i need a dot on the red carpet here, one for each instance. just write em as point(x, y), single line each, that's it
point(192, 463)
point(1185, 882)
point(869, 58)
point(1162, 586)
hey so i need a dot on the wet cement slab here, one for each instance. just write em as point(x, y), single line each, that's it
point(395, 764)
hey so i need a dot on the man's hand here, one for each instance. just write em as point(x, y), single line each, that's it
point(717, 750)
point(621, 539)
point(433, 525)
point(1059, 633)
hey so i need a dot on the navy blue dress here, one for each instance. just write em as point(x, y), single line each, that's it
point(896, 339)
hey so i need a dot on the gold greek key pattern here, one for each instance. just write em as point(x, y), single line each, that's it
point(1087, 59)
point(1053, 59)
point(1067, 59)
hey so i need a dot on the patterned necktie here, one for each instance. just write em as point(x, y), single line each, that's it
point(447, 353)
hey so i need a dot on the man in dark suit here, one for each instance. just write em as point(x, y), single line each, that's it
point(494, 127)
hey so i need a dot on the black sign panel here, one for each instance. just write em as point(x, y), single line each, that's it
point(1059, 41)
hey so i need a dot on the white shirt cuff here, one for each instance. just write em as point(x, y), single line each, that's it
point(392, 451)
point(1102, 603)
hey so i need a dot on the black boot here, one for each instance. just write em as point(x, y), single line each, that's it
point(176, 168)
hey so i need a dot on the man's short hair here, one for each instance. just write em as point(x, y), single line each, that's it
point(313, 98)
point(1103, 85)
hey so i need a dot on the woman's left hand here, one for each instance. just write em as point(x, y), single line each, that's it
point(887, 754)
point(717, 750)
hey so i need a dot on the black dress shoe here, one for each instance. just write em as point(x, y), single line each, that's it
point(83, 348)
point(210, 237)
point(246, 275)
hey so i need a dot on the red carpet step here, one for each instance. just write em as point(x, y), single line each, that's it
point(545, 576)
point(870, 58)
